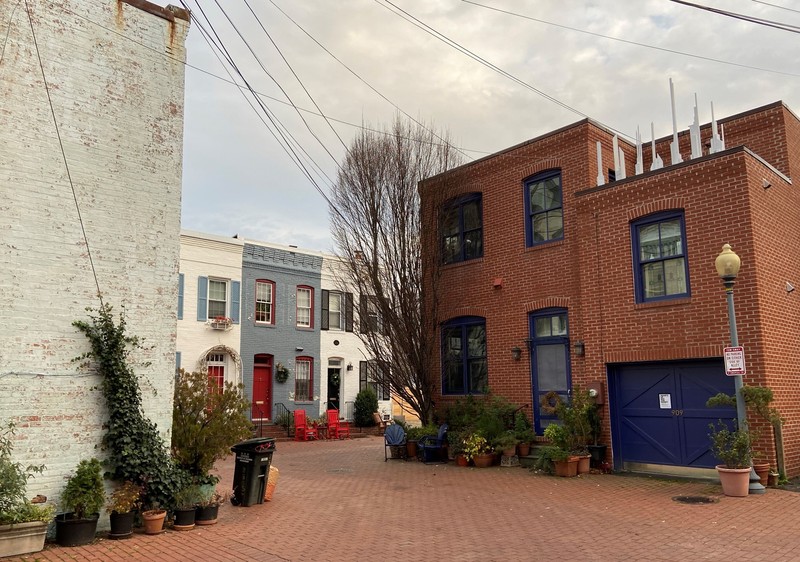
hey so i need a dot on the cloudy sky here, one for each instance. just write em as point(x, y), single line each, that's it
point(360, 60)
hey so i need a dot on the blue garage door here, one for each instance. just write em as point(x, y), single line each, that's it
point(659, 413)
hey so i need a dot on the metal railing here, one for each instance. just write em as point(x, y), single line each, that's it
point(283, 416)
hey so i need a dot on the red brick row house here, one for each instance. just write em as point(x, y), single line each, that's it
point(545, 280)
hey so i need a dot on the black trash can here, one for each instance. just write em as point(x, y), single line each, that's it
point(253, 458)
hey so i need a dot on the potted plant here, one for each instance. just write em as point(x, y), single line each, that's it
point(734, 448)
point(507, 443)
point(478, 450)
point(596, 449)
point(207, 509)
point(23, 524)
point(565, 463)
point(122, 505)
point(186, 501)
point(83, 498)
point(524, 433)
point(455, 443)
point(555, 460)
point(153, 519)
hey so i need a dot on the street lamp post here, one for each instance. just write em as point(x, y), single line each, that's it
point(727, 264)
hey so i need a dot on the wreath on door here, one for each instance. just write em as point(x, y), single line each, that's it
point(335, 378)
point(550, 403)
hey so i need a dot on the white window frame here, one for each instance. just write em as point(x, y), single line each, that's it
point(209, 300)
point(307, 310)
point(270, 302)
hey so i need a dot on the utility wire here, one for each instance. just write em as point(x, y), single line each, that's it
point(319, 109)
point(275, 127)
point(64, 155)
point(776, 6)
point(751, 19)
point(272, 118)
point(363, 81)
point(628, 42)
point(8, 29)
point(446, 40)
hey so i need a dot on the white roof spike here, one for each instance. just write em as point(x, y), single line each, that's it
point(600, 177)
point(657, 162)
point(717, 143)
point(674, 149)
point(639, 167)
point(694, 133)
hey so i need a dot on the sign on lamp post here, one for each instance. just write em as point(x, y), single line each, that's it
point(734, 361)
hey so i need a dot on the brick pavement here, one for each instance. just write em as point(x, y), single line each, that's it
point(341, 501)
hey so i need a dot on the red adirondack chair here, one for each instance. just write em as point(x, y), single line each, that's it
point(337, 428)
point(301, 430)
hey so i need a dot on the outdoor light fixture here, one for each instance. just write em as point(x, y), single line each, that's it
point(516, 353)
point(728, 264)
point(580, 348)
point(349, 366)
point(299, 348)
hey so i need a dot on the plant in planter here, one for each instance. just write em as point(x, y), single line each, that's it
point(596, 449)
point(735, 449)
point(559, 453)
point(207, 509)
point(23, 524)
point(153, 518)
point(122, 505)
point(524, 433)
point(455, 443)
point(506, 442)
point(83, 498)
point(186, 501)
point(478, 450)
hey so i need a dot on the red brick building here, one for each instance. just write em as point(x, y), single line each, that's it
point(546, 280)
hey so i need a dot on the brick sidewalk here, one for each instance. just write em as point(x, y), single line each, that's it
point(341, 501)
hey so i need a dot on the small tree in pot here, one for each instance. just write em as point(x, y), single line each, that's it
point(735, 449)
point(83, 498)
point(122, 505)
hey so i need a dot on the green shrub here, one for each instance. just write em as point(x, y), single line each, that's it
point(14, 506)
point(206, 423)
point(365, 405)
point(84, 494)
point(733, 448)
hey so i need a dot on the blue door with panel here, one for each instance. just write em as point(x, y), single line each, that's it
point(659, 413)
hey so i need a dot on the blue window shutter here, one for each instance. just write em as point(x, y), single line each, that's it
point(180, 296)
point(202, 299)
point(235, 292)
point(177, 360)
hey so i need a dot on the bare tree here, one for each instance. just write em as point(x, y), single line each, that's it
point(376, 224)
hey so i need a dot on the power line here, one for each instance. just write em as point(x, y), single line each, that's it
point(769, 23)
point(63, 154)
point(446, 40)
point(628, 42)
point(776, 6)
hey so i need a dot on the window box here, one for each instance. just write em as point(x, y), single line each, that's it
point(220, 323)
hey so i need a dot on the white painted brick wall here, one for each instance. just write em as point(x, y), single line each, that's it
point(118, 100)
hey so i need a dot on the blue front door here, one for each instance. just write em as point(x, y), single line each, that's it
point(659, 413)
point(550, 363)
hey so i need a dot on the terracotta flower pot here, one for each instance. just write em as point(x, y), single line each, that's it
point(524, 449)
point(567, 468)
point(584, 462)
point(461, 460)
point(483, 461)
point(154, 521)
point(762, 469)
point(735, 481)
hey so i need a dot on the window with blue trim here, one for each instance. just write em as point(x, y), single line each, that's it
point(660, 266)
point(465, 370)
point(462, 229)
point(543, 208)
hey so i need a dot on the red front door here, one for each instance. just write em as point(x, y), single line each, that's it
point(262, 388)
